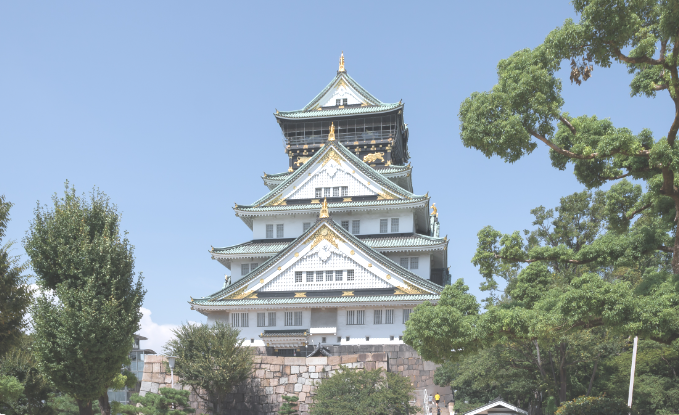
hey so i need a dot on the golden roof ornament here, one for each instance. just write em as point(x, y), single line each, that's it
point(434, 211)
point(341, 67)
point(324, 210)
point(331, 136)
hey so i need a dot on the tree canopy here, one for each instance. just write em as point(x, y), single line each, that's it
point(90, 306)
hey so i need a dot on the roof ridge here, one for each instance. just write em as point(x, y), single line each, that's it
point(351, 81)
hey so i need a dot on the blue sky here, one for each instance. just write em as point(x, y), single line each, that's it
point(167, 107)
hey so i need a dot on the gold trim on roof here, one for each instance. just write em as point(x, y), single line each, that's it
point(347, 293)
point(324, 233)
point(341, 65)
point(331, 136)
point(300, 295)
point(330, 155)
point(409, 289)
point(324, 210)
point(238, 294)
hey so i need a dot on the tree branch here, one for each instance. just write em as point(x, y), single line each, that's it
point(570, 154)
point(627, 174)
point(636, 212)
point(627, 59)
point(567, 124)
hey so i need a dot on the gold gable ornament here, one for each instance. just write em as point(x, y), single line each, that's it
point(341, 65)
point(324, 210)
point(331, 136)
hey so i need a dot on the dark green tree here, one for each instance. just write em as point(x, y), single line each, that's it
point(525, 109)
point(369, 392)
point(595, 406)
point(210, 358)
point(289, 407)
point(15, 292)
point(169, 401)
point(90, 306)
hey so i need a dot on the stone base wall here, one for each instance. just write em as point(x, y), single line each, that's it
point(275, 376)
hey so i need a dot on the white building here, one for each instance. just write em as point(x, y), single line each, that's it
point(342, 249)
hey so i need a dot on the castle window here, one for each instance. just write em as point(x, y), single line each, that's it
point(355, 317)
point(367, 338)
point(244, 269)
point(348, 338)
point(298, 276)
point(414, 263)
point(239, 319)
point(345, 191)
point(261, 319)
point(326, 192)
point(355, 227)
point(306, 226)
point(389, 317)
point(339, 339)
point(406, 314)
point(279, 230)
point(309, 276)
point(328, 275)
point(394, 224)
point(345, 225)
point(391, 337)
point(298, 318)
point(338, 101)
point(319, 276)
point(323, 340)
point(338, 275)
point(404, 262)
point(293, 318)
point(335, 192)
point(384, 225)
point(377, 317)
point(344, 101)
point(350, 275)
point(269, 231)
point(319, 192)
point(272, 319)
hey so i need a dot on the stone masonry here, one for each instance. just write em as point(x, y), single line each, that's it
point(275, 376)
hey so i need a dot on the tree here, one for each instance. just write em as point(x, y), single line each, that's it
point(289, 407)
point(595, 406)
point(369, 392)
point(168, 401)
point(525, 109)
point(90, 305)
point(210, 358)
point(15, 293)
point(10, 389)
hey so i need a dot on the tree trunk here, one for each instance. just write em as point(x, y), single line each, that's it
point(591, 380)
point(104, 404)
point(84, 407)
point(562, 374)
point(551, 363)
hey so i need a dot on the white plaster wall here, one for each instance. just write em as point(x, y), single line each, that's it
point(370, 222)
point(379, 333)
point(424, 266)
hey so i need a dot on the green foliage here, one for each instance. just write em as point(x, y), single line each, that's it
point(19, 362)
point(289, 407)
point(369, 392)
point(595, 406)
point(89, 309)
point(63, 404)
point(211, 358)
point(10, 389)
point(168, 401)
point(15, 293)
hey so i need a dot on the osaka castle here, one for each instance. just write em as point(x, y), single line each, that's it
point(342, 247)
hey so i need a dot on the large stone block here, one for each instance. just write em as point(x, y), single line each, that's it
point(145, 386)
point(349, 359)
point(429, 365)
point(147, 377)
point(295, 360)
point(158, 377)
point(381, 365)
point(312, 369)
point(379, 357)
point(298, 387)
point(334, 360)
point(294, 369)
point(154, 387)
point(274, 360)
point(369, 365)
point(317, 361)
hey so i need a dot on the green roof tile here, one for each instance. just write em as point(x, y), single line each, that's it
point(318, 300)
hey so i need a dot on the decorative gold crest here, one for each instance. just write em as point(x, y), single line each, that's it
point(300, 295)
point(347, 293)
point(331, 155)
point(324, 233)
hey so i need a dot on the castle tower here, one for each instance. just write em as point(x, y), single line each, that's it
point(342, 249)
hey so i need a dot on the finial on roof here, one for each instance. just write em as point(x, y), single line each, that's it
point(276, 110)
point(341, 67)
point(331, 136)
point(434, 211)
point(324, 210)
point(290, 169)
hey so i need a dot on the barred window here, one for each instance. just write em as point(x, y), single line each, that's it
point(394, 224)
point(279, 231)
point(384, 225)
point(355, 227)
point(360, 316)
point(404, 262)
point(335, 192)
point(235, 319)
point(261, 319)
point(414, 262)
point(309, 276)
point(351, 317)
point(377, 317)
point(319, 192)
point(244, 269)
point(406, 314)
point(272, 319)
point(298, 276)
point(326, 192)
point(338, 275)
point(345, 225)
point(345, 191)
point(298, 318)
point(293, 318)
point(306, 226)
point(319, 276)
point(328, 275)
point(269, 231)
point(288, 318)
point(253, 266)
point(244, 319)
point(389, 317)
point(350, 275)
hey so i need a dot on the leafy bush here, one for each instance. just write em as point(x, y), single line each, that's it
point(594, 406)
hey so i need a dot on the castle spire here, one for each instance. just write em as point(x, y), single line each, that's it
point(324, 210)
point(341, 67)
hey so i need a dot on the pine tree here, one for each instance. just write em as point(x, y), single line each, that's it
point(289, 407)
